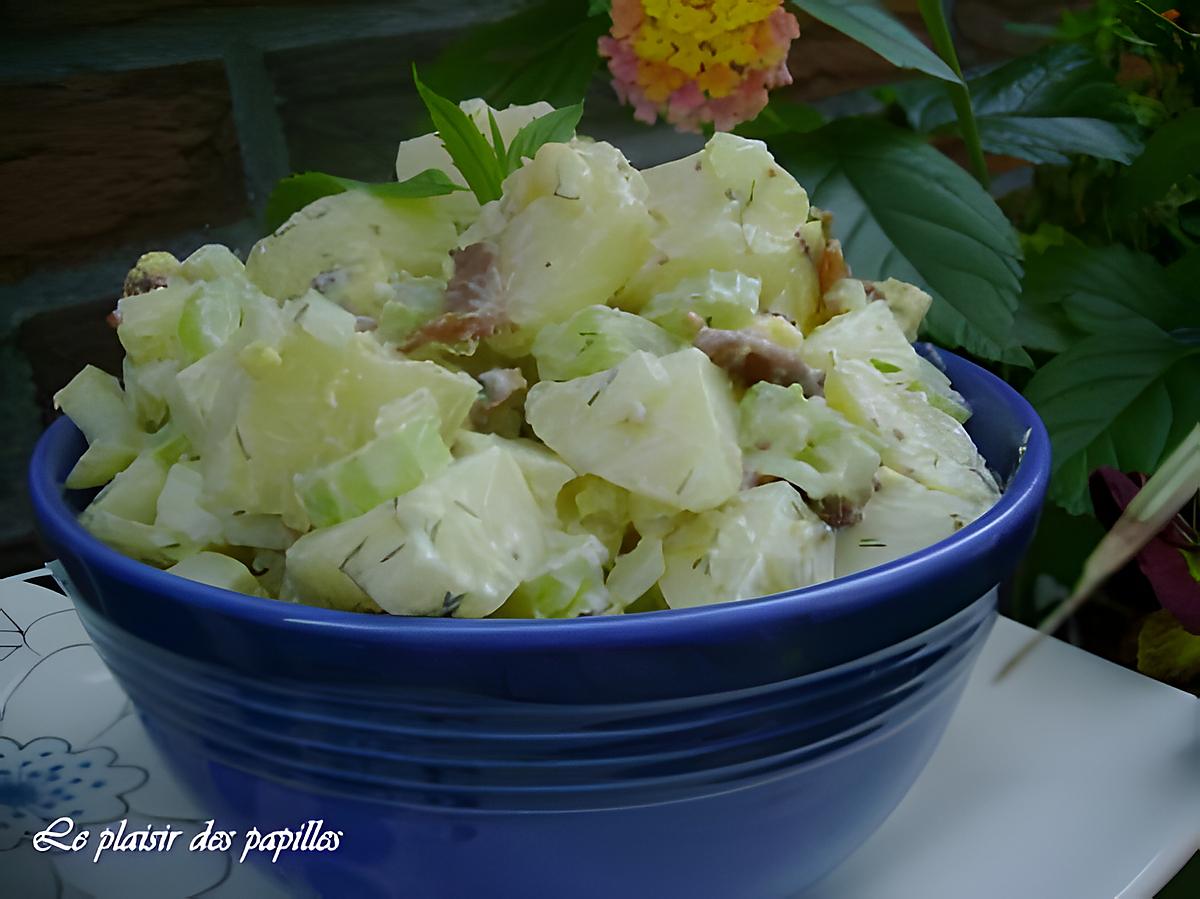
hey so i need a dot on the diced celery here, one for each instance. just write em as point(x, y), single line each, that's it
point(180, 509)
point(134, 492)
point(635, 572)
point(763, 541)
point(918, 440)
point(136, 539)
point(209, 318)
point(722, 300)
point(591, 505)
point(594, 339)
point(240, 528)
point(213, 262)
point(149, 322)
point(569, 583)
point(381, 469)
point(147, 387)
point(730, 207)
point(457, 545)
point(93, 400)
point(872, 333)
point(806, 442)
point(218, 570)
point(320, 404)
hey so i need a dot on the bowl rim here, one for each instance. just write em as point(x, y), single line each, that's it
point(855, 593)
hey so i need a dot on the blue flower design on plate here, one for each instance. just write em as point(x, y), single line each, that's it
point(43, 780)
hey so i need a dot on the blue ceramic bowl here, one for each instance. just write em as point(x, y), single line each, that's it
point(737, 750)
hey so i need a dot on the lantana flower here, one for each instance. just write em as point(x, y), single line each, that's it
point(695, 62)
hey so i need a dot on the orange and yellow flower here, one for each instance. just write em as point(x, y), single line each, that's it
point(698, 61)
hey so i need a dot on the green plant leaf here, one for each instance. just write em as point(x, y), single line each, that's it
point(1165, 22)
point(545, 52)
point(1091, 290)
point(1123, 398)
point(295, 192)
point(498, 141)
point(781, 117)
point(473, 156)
point(1184, 273)
point(1166, 651)
point(903, 209)
point(1043, 107)
point(878, 30)
point(599, 7)
point(1171, 154)
point(556, 127)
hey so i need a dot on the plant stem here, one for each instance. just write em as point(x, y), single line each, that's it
point(935, 20)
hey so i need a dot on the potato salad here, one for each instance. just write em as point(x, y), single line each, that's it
point(608, 391)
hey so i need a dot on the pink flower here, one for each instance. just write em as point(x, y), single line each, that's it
point(699, 61)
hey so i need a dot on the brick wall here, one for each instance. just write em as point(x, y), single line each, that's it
point(131, 125)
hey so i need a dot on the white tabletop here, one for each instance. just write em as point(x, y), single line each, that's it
point(1072, 779)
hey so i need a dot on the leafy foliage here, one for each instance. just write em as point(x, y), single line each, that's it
point(485, 165)
point(1122, 398)
point(546, 52)
point(781, 117)
point(1073, 291)
point(904, 209)
point(878, 30)
point(553, 128)
point(1166, 651)
point(1171, 155)
point(1043, 108)
point(473, 156)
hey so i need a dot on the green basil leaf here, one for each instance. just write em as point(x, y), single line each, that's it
point(1123, 398)
point(878, 30)
point(902, 208)
point(1043, 107)
point(1171, 154)
point(295, 192)
point(473, 156)
point(498, 142)
point(556, 127)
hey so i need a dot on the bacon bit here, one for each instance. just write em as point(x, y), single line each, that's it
point(475, 284)
point(755, 479)
point(1171, 15)
point(474, 300)
point(832, 267)
point(114, 319)
point(837, 511)
point(750, 358)
point(138, 282)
